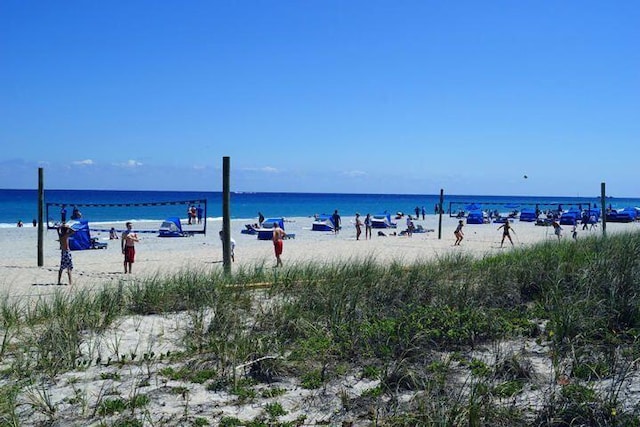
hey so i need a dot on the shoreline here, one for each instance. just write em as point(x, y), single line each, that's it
point(20, 275)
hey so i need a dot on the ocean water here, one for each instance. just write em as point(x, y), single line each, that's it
point(112, 206)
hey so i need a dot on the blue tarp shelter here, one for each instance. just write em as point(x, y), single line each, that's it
point(324, 222)
point(528, 215)
point(81, 239)
point(171, 227)
point(476, 216)
point(382, 220)
point(570, 217)
point(266, 231)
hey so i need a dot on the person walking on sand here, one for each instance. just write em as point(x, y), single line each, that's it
point(506, 232)
point(458, 233)
point(66, 262)
point(128, 243)
point(278, 243)
point(358, 226)
point(336, 221)
point(367, 227)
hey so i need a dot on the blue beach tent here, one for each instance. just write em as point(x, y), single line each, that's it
point(266, 231)
point(476, 216)
point(81, 239)
point(171, 227)
point(382, 220)
point(528, 215)
point(324, 222)
point(570, 217)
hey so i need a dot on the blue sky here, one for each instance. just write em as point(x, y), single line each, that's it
point(322, 96)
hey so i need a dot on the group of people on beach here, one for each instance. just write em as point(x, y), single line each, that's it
point(194, 214)
point(506, 227)
point(367, 224)
point(128, 240)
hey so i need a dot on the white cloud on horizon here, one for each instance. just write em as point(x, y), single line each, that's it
point(86, 162)
point(129, 164)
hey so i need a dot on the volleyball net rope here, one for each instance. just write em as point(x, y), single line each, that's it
point(191, 213)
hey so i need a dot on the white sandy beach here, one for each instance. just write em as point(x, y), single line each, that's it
point(22, 278)
point(20, 275)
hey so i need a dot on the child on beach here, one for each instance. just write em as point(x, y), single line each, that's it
point(557, 229)
point(506, 228)
point(458, 233)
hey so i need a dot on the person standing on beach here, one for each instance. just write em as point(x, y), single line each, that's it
point(557, 229)
point(66, 262)
point(506, 232)
point(423, 213)
point(232, 242)
point(417, 211)
point(278, 243)
point(260, 219)
point(367, 226)
point(63, 214)
point(458, 233)
point(199, 212)
point(358, 226)
point(128, 243)
point(336, 221)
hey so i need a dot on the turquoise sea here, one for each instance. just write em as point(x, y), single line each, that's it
point(108, 206)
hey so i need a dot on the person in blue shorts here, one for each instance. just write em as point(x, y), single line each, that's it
point(66, 262)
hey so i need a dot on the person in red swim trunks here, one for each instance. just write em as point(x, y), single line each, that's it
point(278, 236)
point(129, 239)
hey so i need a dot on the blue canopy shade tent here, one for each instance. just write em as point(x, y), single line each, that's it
point(323, 222)
point(382, 220)
point(266, 231)
point(171, 227)
point(81, 239)
point(476, 216)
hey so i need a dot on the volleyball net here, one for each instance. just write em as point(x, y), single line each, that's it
point(147, 217)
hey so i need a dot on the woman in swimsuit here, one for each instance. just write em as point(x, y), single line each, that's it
point(458, 233)
point(505, 232)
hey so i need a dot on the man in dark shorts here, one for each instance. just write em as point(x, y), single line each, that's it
point(335, 218)
point(129, 238)
point(66, 262)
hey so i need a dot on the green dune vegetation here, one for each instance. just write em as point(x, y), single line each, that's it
point(545, 335)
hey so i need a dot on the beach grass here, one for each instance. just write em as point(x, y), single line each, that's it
point(440, 342)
